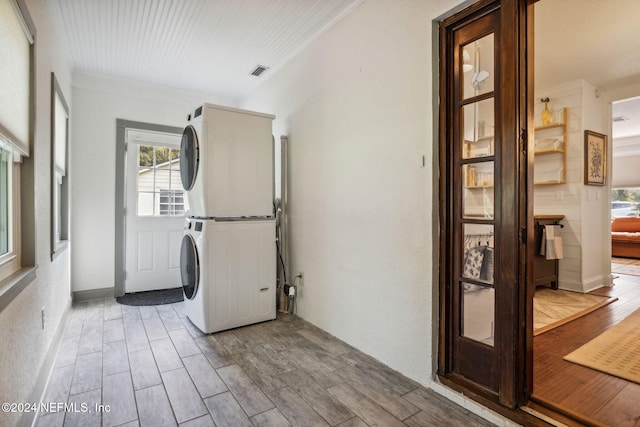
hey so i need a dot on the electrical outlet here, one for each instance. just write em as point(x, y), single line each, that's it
point(43, 318)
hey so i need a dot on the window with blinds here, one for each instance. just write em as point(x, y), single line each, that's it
point(15, 77)
point(16, 57)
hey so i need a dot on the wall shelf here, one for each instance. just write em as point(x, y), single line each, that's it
point(482, 147)
point(550, 152)
point(479, 175)
point(472, 187)
point(551, 182)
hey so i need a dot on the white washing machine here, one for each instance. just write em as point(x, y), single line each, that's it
point(226, 163)
point(228, 271)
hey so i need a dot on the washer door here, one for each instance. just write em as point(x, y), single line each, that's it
point(189, 157)
point(189, 266)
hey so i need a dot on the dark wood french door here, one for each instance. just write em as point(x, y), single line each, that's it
point(484, 194)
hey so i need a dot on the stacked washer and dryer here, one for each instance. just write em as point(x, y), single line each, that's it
point(228, 252)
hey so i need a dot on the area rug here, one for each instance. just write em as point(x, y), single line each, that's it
point(553, 308)
point(164, 296)
point(616, 351)
point(628, 266)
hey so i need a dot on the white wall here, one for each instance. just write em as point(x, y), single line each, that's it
point(596, 209)
point(98, 102)
point(357, 107)
point(585, 236)
point(625, 172)
point(626, 159)
point(24, 343)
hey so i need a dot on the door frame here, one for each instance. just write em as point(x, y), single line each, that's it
point(515, 383)
point(121, 181)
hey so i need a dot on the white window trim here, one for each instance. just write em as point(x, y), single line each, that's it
point(60, 208)
point(10, 261)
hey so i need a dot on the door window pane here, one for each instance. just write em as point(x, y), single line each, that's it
point(163, 180)
point(478, 254)
point(477, 67)
point(145, 155)
point(478, 191)
point(171, 202)
point(478, 313)
point(478, 129)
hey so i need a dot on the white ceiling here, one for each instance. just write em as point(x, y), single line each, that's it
point(594, 40)
point(206, 46)
point(211, 46)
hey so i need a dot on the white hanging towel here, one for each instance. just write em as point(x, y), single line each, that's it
point(551, 245)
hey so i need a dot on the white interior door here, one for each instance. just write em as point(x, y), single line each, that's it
point(155, 206)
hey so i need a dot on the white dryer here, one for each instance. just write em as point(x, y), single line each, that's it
point(226, 163)
point(228, 271)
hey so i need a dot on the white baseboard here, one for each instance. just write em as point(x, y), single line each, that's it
point(585, 286)
point(594, 283)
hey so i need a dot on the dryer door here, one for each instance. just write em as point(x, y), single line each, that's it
point(189, 157)
point(189, 266)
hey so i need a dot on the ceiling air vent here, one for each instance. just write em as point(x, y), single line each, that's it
point(620, 119)
point(259, 70)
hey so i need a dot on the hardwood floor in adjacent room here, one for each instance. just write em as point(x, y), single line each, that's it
point(591, 396)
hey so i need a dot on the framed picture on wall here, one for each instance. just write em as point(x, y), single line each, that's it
point(595, 158)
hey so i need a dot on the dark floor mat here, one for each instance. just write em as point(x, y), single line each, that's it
point(164, 296)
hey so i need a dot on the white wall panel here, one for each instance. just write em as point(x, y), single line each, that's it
point(585, 235)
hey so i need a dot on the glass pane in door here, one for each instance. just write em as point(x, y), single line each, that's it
point(478, 129)
point(478, 312)
point(478, 254)
point(477, 67)
point(477, 292)
point(478, 191)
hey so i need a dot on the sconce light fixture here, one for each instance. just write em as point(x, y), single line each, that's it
point(466, 61)
point(478, 79)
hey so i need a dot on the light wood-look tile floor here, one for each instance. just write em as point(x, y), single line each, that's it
point(150, 366)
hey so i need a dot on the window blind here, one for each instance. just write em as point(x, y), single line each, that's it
point(60, 126)
point(15, 77)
